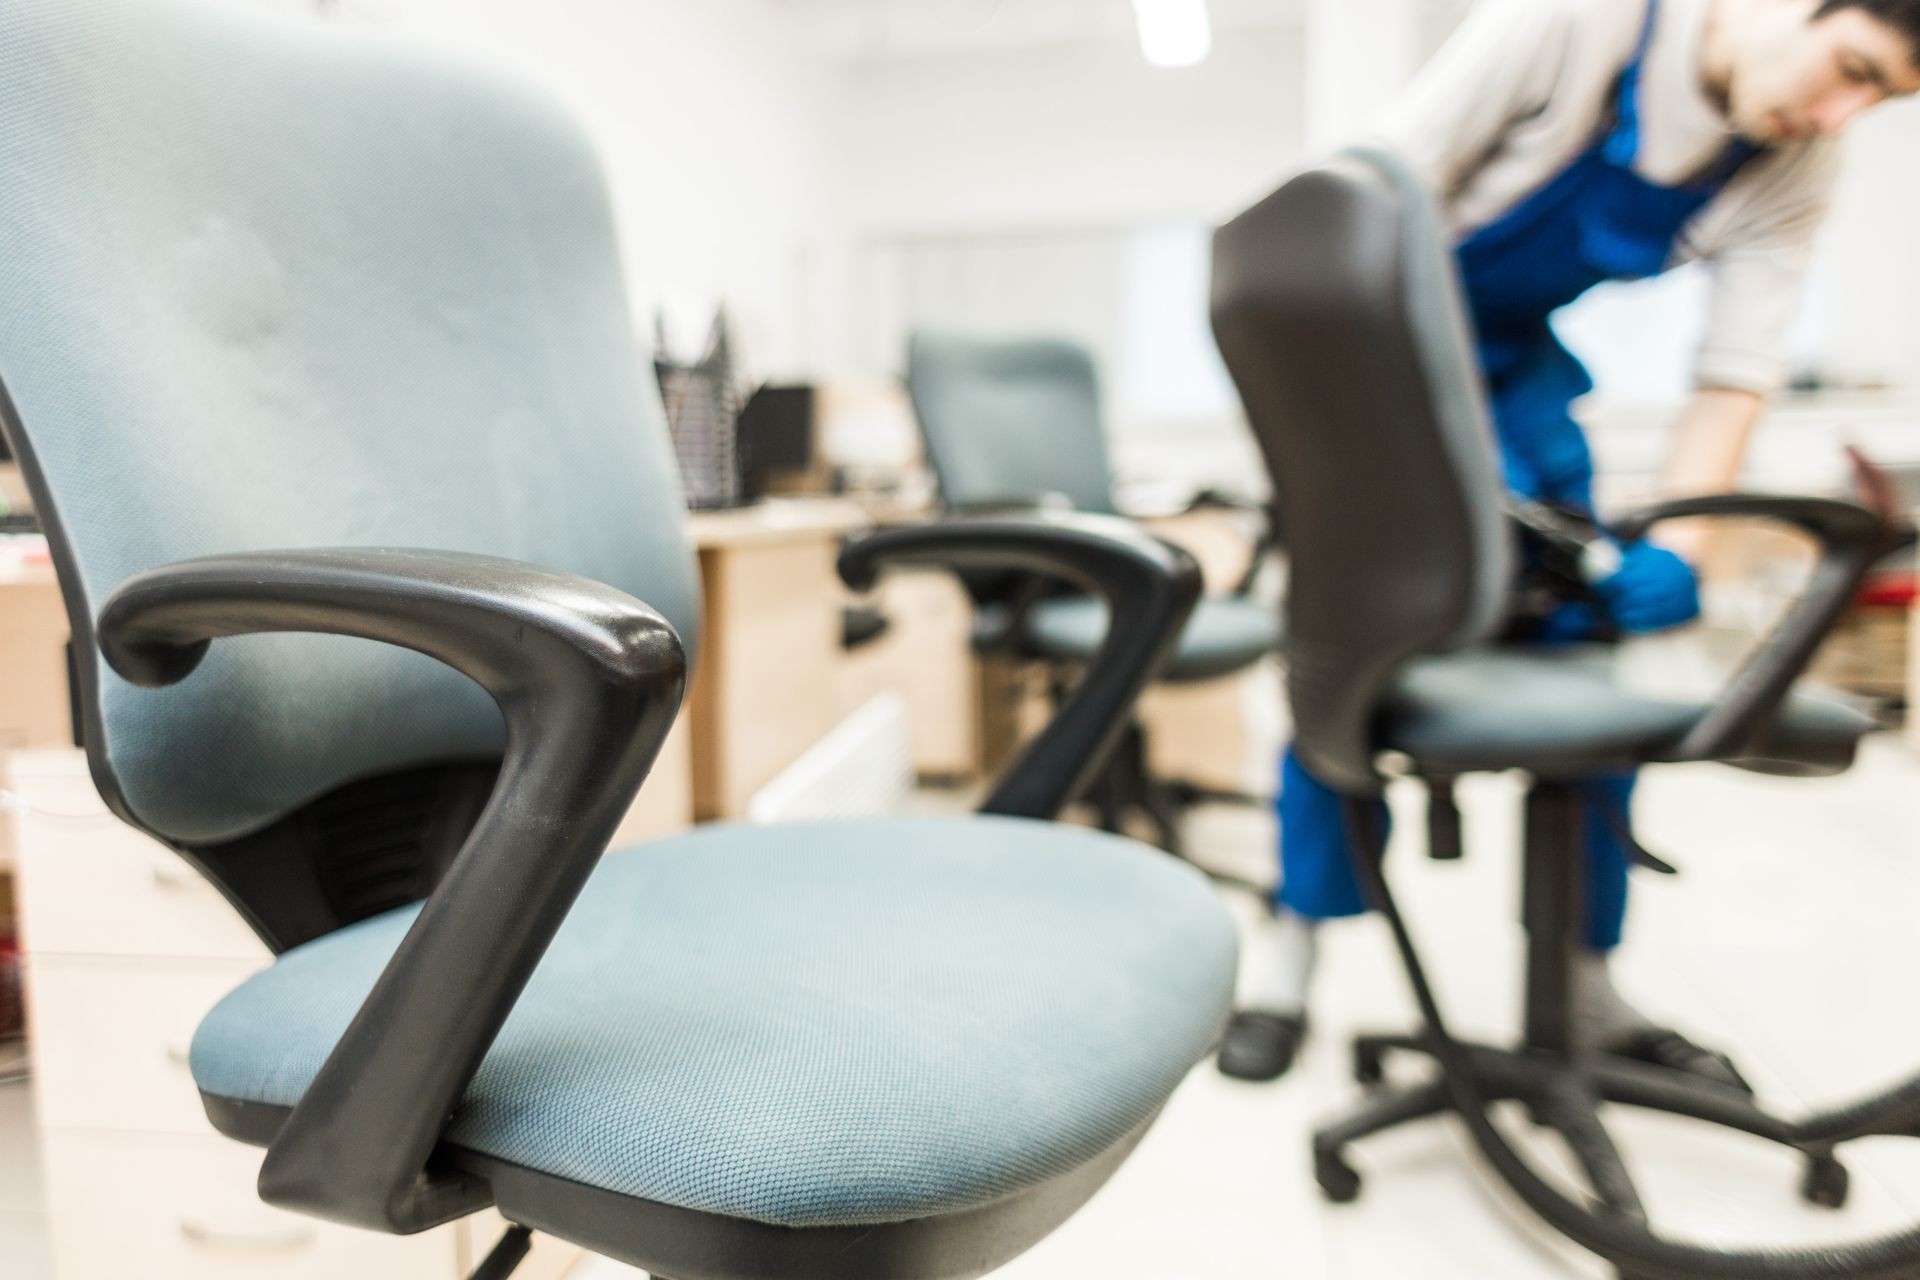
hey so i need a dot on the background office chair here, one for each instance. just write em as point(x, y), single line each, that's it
point(1336, 308)
point(1015, 423)
point(280, 300)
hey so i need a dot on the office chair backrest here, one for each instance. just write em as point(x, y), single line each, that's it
point(1337, 310)
point(1008, 421)
point(269, 285)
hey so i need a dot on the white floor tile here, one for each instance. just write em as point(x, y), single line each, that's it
point(23, 1246)
point(21, 1187)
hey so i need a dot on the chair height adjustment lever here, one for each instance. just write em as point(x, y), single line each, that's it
point(507, 1254)
point(1443, 822)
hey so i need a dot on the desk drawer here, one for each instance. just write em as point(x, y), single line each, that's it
point(110, 1039)
point(184, 1208)
point(90, 884)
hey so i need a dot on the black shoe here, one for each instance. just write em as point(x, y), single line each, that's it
point(1261, 1046)
point(1665, 1047)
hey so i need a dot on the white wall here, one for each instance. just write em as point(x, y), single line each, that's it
point(750, 164)
point(1358, 53)
point(716, 127)
point(1066, 136)
point(1058, 188)
point(1867, 275)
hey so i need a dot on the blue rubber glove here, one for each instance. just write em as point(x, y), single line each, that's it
point(1575, 620)
point(1652, 590)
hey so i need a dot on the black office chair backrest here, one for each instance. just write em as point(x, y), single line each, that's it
point(1337, 310)
point(270, 285)
point(1009, 420)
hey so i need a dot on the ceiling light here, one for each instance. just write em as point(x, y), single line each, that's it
point(1174, 33)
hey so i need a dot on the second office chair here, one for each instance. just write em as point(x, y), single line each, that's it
point(1015, 424)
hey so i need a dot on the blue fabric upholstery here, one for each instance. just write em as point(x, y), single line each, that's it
point(1225, 634)
point(813, 1025)
point(1565, 709)
point(1009, 420)
point(273, 285)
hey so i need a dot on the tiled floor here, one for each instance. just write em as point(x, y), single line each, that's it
point(1790, 938)
point(23, 1205)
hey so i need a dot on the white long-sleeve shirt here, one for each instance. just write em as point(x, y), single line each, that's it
point(1523, 86)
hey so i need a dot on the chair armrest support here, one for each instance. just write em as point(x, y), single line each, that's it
point(1017, 593)
point(1850, 537)
point(588, 679)
point(1149, 586)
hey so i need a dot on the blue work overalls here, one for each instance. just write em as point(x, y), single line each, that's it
point(1596, 220)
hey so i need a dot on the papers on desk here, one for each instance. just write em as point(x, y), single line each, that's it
point(23, 550)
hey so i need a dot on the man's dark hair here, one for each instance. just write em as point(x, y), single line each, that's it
point(1902, 15)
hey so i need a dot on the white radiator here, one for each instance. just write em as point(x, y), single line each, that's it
point(862, 768)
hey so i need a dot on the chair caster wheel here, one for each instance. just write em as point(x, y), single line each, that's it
point(1338, 1181)
point(1825, 1182)
point(1369, 1065)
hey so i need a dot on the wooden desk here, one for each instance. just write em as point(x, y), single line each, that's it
point(763, 685)
point(770, 679)
point(35, 707)
point(13, 489)
point(926, 655)
point(769, 676)
point(1208, 733)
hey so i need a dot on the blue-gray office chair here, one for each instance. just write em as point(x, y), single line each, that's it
point(1014, 423)
point(316, 359)
point(1337, 310)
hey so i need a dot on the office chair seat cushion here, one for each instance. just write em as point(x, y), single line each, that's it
point(1568, 709)
point(1224, 635)
point(824, 1025)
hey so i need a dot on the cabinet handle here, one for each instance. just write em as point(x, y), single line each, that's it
point(263, 1239)
point(171, 875)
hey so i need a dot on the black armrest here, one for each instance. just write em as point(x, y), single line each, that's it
point(1150, 587)
point(589, 680)
point(1851, 539)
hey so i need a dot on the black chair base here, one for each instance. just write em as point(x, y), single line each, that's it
point(1126, 786)
point(1564, 1086)
point(506, 1255)
point(1563, 1093)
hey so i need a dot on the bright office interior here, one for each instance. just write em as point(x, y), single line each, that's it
point(825, 178)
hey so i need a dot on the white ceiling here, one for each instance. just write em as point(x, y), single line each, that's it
point(861, 29)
